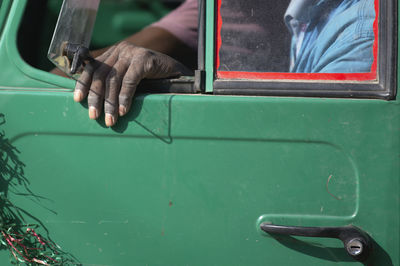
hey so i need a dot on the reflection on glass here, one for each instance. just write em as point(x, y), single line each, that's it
point(74, 26)
point(299, 36)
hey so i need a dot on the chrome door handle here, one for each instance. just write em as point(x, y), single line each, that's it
point(356, 242)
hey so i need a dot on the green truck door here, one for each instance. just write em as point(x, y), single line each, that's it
point(178, 187)
point(188, 179)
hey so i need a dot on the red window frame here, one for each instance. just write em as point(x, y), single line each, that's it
point(369, 76)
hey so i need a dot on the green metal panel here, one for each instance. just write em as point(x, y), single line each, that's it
point(4, 6)
point(192, 189)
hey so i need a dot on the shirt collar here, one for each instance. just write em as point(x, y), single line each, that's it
point(301, 12)
point(297, 14)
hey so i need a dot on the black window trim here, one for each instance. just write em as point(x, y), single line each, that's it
point(384, 88)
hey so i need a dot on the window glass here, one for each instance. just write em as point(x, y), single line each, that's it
point(304, 39)
point(80, 17)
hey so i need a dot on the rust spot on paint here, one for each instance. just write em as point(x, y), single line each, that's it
point(170, 203)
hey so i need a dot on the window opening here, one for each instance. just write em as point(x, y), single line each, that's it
point(40, 18)
point(297, 39)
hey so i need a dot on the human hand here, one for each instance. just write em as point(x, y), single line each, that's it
point(110, 81)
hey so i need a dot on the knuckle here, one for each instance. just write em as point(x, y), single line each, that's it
point(102, 71)
point(125, 99)
point(129, 84)
point(112, 76)
point(89, 68)
point(82, 85)
point(98, 75)
point(85, 77)
point(113, 79)
point(150, 63)
point(83, 82)
point(97, 86)
point(124, 60)
point(110, 106)
point(92, 66)
point(113, 72)
point(112, 82)
point(142, 53)
point(123, 44)
point(93, 99)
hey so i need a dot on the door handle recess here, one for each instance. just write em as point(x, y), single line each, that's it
point(356, 242)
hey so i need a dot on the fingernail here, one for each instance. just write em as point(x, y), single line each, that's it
point(110, 120)
point(93, 113)
point(78, 96)
point(122, 110)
